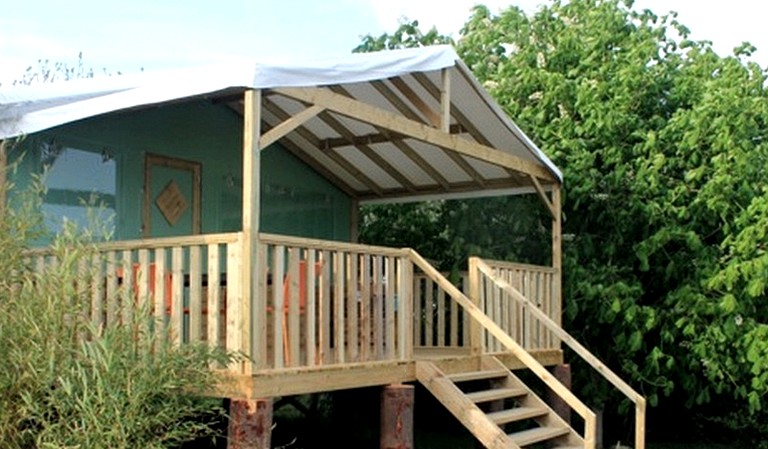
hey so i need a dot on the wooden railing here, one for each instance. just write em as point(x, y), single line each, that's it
point(182, 281)
point(532, 310)
point(332, 303)
point(536, 283)
point(438, 322)
point(486, 324)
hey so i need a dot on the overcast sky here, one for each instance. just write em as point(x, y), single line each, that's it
point(157, 34)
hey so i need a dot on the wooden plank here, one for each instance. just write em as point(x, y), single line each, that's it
point(324, 307)
point(453, 338)
point(250, 216)
point(275, 239)
point(429, 313)
point(159, 305)
point(441, 317)
point(142, 279)
point(164, 242)
point(378, 307)
point(213, 301)
point(365, 307)
point(293, 352)
point(339, 321)
point(405, 298)
point(640, 423)
point(97, 291)
point(557, 261)
point(311, 308)
point(389, 308)
point(432, 117)
point(353, 307)
point(195, 294)
point(274, 134)
point(259, 316)
point(177, 295)
point(234, 300)
point(475, 333)
point(445, 100)
point(418, 309)
point(127, 291)
point(543, 196)
point(385, 119)
point(278, 306)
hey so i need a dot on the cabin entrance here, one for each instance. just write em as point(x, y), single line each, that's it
point(171, 205)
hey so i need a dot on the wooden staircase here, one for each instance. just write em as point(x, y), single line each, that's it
point(497, 407)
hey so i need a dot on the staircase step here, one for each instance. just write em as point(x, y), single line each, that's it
point(516, 414)
point(496, 394)
point(477, 375)
point(537, 435)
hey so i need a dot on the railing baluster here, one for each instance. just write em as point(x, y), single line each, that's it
point(310, 313)
point(278, 292)
point(195, 293)
point(213, 296)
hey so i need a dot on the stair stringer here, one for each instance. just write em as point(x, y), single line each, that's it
point(461, 407)
point(551, 419)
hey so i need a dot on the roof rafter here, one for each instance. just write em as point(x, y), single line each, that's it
point(381, 118)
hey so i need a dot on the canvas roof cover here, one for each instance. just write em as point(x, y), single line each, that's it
point(365, 160)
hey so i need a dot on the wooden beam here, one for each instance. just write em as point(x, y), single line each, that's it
point(289, 125)
point(369, 152)
point(416, 101)
point(445, 100)
point(381, 118)
point(251, 213)
point(557, 255)
point(543, 197)
point(330, 153)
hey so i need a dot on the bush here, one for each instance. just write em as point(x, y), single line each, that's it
point(69, 384)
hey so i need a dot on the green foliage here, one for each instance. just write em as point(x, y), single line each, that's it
point(662, 145)
point(68, 384)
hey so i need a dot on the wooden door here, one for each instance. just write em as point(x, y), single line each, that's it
point(171, 197)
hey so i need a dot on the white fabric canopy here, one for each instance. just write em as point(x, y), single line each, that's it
point(29, 109)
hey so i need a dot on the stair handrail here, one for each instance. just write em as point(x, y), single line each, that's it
point(580, 350)
point(590, 420)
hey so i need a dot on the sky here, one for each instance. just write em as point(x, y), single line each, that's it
point(130, 36)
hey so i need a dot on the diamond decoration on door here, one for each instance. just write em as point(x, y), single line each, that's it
point(171, 203)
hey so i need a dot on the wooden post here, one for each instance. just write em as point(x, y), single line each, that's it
point(250, 424)
point(475, 330)
point(251, 214)
point(397, 417)
point(557, 260)
point(563, 374)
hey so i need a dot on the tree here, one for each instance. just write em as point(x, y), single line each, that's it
point(662, 146)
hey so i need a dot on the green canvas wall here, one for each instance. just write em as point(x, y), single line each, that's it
point(295, 199)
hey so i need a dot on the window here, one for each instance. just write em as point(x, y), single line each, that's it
point(81, 188)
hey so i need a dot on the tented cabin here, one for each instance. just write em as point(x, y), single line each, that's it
point(232, 195)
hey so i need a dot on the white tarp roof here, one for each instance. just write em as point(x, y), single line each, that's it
point(29, 109)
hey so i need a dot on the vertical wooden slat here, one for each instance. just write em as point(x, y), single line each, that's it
point(278, 310)
point(429, 313)
point(127, 291)
point(405, 298)
point(324, 305)
point(251, 208)
point(293, 320)
point(353, 329)
point(195, 293)
point(259, 345)
point(441, 316)
point(378, 307)
point(234, 298)
point(475, 332)
point(97, 290)
point(213, 300)
point(557, 260)
point(339, 324)
point(418, 314)
point(160, 307)
point(112, 293)
point(390, 302)
point(177, 294)
point(311, 308)
point(365, 307)
point(142, 279)
point(453, 308)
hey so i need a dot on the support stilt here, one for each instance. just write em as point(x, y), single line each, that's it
point(250, 424)
point(397, 417)
point(563, 374)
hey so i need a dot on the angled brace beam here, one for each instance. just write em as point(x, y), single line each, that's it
point(381, 118)
point(289, 125)
point(543, 196)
